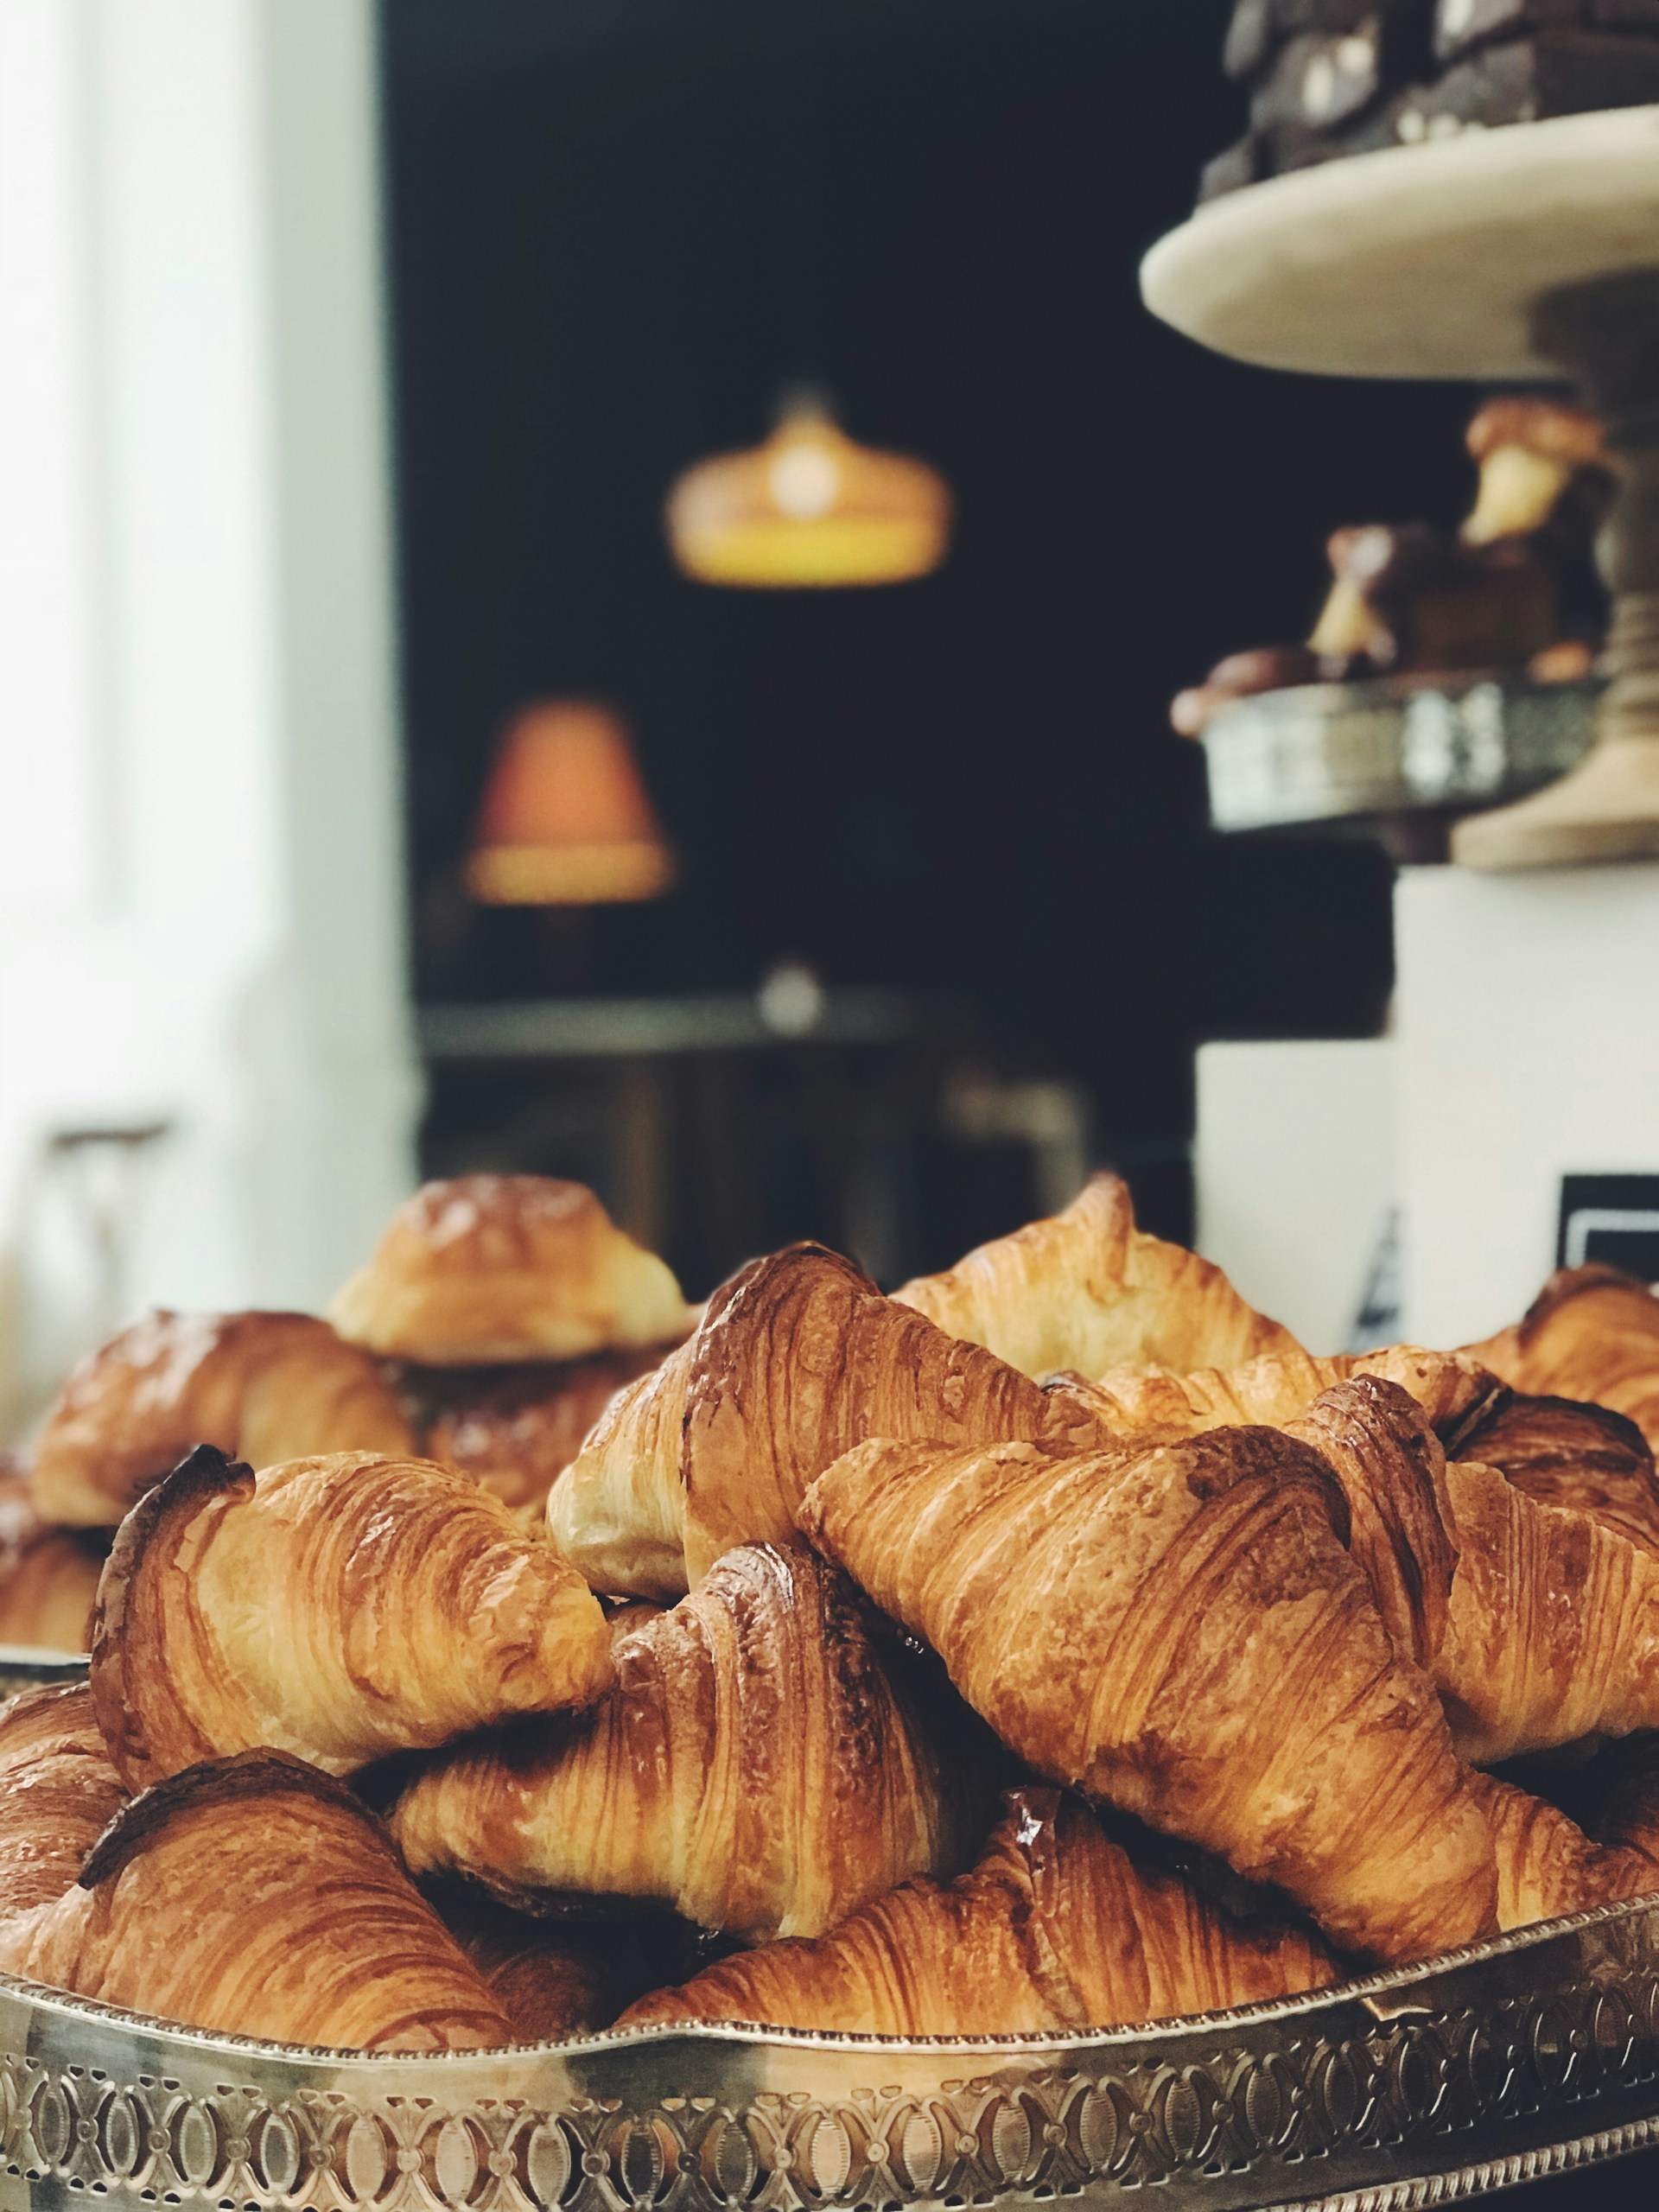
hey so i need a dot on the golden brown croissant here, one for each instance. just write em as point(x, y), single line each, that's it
point(260, 1386)
point(1087, 1290)
point(58, 1793)
point(256, 1896)
point(487, 1269)
point(1180, 1631)
point(1548, 1866)
point(1585, 1459)
point(1058, 1926)
point(1592, 1334)
point(1278, 1388)
point(518, 1428)
point(796, 1357)
point(1538, 1626)
point(1554, 1627)
point(48, 1577)
point(339, 1608)
point(754, 1767)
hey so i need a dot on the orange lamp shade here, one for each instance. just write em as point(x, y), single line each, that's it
point(566, 820)
point(809, 507)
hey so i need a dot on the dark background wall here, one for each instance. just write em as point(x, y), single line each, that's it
point(619, 226)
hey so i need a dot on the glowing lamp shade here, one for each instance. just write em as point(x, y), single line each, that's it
point(565, 820)
point(808, 508)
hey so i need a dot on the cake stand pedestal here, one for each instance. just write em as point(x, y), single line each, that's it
point(1531, 252)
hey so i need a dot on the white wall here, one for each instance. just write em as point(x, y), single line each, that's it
point(1295, 1172)
point(1527, 1020)
point(199, 876)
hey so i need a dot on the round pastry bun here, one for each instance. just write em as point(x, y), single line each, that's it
point(483, 1270)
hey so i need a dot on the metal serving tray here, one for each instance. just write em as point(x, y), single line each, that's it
point(1525, 2057)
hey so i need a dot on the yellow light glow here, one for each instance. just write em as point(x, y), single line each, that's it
point(809, 508)
point(568, 875)
point(566, 820)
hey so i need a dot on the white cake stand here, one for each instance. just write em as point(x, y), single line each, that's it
point(1528, 252)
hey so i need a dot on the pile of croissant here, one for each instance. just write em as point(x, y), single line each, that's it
point(1053, 1645)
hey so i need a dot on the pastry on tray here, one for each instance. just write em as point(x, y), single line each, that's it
point(1514, 591)
point(373, 1758)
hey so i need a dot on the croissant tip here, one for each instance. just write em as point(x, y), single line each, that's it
point(205, 1472)
point(258, 1773)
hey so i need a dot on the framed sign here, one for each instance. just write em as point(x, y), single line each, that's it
point(1611, 1217)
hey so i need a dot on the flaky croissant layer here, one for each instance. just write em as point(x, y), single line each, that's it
point(1088, 1290)
point(338, 1608)
point(754, 1767)
point(1181, 1633)
point(1058, 1926)
point(797, 1358)
point(255, 1897)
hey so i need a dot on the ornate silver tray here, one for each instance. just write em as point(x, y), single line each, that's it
point(1389, 751)
point(1527, 2057)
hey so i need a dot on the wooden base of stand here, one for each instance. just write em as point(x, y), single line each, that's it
point(1606, 809)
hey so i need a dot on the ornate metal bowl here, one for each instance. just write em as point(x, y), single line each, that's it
point(1527, 2055)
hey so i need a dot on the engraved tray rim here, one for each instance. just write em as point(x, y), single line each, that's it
point(1360, 1990)
point(1534, 2054)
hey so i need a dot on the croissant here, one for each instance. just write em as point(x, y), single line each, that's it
point(58, 1793)
point(260, 1387)
point(754, 1767)
point(1585, 1459)
point(1058, 1926)
point(255, 1897)
point(1548, 1866)
point(1180, 1631)
point(1088, 1290)
point(796, 1357)
point(1278, 1388)
point(1552, 1632)
point(48, 1577)
point(487, 1269)
point(516, 1429)
point(1592, 1334)
point(340, 1608)
point(1537, 1626)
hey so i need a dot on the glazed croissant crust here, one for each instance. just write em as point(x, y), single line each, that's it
point(338, 1608)
point(1583, 1458)
point(58, 1793)
point(1180, 1631)
point(797, 1358)
point(516, 1429)
point(259, 1386)
point(1548, 1866)
point(1592, 1334)
point(1537, 1625)
point(1088, 1290)
point(257, 1896)
point(754, 1767)
point(1279, 1388)
point(1058, 1926)
point(487, 1269)
point(48, 1577)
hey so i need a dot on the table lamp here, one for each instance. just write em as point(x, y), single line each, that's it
point(566, 820)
